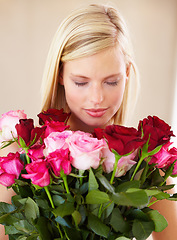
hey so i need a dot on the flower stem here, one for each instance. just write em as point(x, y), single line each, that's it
point(52, 204)
point(117, 157)
point(66, 183)
point(49, 196)
point(137, 167)
point(100, 211)
point(27, 157)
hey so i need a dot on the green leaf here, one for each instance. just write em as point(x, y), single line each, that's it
point(77, 217)
point(62, 221)
point(11, 230)
point(159, 221)
point(153, 192)
point(117, 221)
point(93, 185)
point(31, 209)
point(97, 226)
point(162, 195)
point(7, 219)
point(126, 185)
point(72, 233)
point(24, 226)
point(136, 198)
point(142, 230)
point(84, 188)
point(22, 143)
point(138, 214)
point(64, 209)
point(108, 208)
point(42, 228)
point(42, 203)
point(58, 200)
point(105, 182)
point(6, 208)
point(97, 197)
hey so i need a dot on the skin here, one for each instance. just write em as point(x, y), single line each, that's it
point(94, 88)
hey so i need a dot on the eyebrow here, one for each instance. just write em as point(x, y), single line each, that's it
point(87, 78)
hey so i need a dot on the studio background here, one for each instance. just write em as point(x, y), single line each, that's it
point(26, 31)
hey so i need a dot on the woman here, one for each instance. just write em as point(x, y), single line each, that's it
point(91, 73)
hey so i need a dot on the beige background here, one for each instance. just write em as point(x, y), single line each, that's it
point(26, 31)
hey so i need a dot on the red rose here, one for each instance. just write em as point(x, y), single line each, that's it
point(27, 131)
point(122, 139)
point(53, 115)
point(159, 131)
point(53, 126)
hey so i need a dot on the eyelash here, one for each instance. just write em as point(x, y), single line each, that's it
point(79, 84)
point(112, 83)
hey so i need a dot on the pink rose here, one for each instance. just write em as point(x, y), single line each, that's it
point(165, 158)
point(10, 168)
point(38, 172)
point(56, 140)
point(36, 151)
point(7, 124)
point(85, 150)
point(161, 158)
point(124, 164)
point(60, 159)
point(172, 159)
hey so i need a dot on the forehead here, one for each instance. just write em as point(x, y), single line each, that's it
point(108, 61)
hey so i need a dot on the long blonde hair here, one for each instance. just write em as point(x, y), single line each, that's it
point(86, 32)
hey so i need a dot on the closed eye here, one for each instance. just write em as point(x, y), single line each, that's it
point(112, 83)
point(79, 84)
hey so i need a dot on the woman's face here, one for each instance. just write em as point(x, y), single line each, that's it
point(94, 88)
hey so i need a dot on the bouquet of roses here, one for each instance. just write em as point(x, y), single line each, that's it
point(77, 185)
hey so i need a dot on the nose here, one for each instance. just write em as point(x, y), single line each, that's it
point(96, 95)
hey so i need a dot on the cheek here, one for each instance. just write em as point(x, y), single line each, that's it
point(72, 96)
point(116, 96)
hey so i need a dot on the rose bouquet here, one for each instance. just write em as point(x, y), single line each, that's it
point(77, 185)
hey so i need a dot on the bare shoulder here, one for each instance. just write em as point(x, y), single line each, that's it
point(169, 210)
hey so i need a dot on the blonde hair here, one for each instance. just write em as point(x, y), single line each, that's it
point(86, 32)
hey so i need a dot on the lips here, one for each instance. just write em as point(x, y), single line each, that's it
point(96, 112)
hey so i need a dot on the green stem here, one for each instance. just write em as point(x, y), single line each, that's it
point(137, 167)
point(117, 157)
point(49, 196)
point(27, 157)
point(66, 183)
point(52, 204)
point(100, 212)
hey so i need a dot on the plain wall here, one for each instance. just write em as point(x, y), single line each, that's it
point(26, 31)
